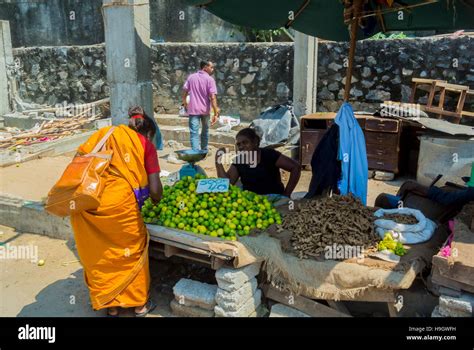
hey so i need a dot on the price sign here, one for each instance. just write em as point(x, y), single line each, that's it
point(212, 185)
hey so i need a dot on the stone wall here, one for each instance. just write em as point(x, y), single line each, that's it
point(383, 70)
point(249, 77)
point(256, 75)
point(51, 75)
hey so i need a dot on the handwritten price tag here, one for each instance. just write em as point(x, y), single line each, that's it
point(212, 185)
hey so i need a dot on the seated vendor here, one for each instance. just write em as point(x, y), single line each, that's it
point(258, 168)
point(447, 201)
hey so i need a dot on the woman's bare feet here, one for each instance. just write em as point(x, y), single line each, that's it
point(140, 309)
point(113, 311)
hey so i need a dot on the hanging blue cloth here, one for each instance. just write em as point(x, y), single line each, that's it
point(352, 154)
point(158, 137)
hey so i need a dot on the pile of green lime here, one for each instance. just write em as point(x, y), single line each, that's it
point(224, 214)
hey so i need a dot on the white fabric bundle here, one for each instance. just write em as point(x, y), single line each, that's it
point(404, 233)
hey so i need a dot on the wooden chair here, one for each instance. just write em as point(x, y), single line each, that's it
point(470, 93)
point(439, 110)
point(417, 82)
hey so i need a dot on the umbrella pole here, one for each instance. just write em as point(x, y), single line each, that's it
point(354, 26)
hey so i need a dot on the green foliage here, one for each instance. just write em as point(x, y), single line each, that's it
point(382, 36)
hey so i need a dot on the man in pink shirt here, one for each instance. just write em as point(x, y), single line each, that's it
point(202, 91)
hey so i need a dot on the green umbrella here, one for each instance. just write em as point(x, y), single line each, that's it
point(329, 19)
point(324, 18)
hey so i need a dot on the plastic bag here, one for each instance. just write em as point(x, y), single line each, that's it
point(277, 125)
point(229, 120)
point(404, 233)
point(183, 112)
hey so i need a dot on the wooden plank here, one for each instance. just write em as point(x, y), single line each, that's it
point(217, 263)
point(339, 306)
point(461, 101)
point(168, 235)
point(429, 103)
point(192, 249)
point(426, 81)
point(301, 303)
point(438, 110)
point(467, 114)
point(392, 310)
point(371, 295)
point(184, 254)
point(457, 272)
point(441, 280)
point(170, 250)
point(453, 87)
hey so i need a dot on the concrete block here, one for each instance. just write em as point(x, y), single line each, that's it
point(245, 310)
point(232, 279)
point(194, 293)
point(371, 174)
point(189, 311)
point(280, 310)
point(20, 121)
point(237, 304)
point(461, 307)
point(436, 313)
point(14, 210)
point(449, 292)
point(384, 176)
point(234, 300)
point(445, 312)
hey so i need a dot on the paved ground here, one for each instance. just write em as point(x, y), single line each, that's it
point(57, 288)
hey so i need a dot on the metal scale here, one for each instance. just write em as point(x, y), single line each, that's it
point(191, 157)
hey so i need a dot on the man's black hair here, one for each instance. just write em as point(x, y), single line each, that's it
point(204, 64)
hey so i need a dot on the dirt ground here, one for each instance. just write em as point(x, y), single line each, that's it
point(57, 288)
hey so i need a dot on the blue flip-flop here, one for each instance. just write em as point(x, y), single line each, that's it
point(150, 306)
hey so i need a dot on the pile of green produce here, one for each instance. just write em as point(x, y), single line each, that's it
point(388, 243)
point(225, 215)
point(382, 36)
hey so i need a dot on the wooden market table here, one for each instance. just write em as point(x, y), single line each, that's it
point(211, 251)
point(217, 253)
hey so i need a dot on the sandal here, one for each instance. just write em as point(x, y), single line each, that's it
point(150, 306)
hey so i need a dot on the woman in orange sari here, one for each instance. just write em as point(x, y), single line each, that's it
point(112, 241)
